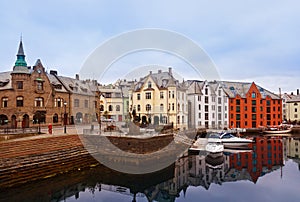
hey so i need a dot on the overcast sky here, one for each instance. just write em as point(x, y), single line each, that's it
point(247, 40)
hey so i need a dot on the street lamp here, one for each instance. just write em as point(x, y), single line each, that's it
point(65, 118)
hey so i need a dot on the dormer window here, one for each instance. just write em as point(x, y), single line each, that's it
point(149, 84)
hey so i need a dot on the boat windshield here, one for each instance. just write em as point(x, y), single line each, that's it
point(214, 135)
point(227, 135)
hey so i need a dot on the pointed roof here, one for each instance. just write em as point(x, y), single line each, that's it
point(20, 64)
point(21, 50)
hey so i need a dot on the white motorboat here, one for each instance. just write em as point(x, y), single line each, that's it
point(231, 141)
point(214, 145)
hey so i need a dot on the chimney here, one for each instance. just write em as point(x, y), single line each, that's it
point(77, 76)
point(159, 71)
point(53, 72)
point(150, 72)
point(297, 91)
point(170, 70)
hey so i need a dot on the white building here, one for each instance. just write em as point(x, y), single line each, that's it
point(208, 105)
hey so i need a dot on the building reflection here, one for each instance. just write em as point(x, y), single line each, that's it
point(191, 170)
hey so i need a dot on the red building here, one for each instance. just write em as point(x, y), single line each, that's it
point(251, 106)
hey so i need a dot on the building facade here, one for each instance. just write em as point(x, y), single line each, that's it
point(251, 106)
point(208, 105)
point(31, 96)
point(159, 99)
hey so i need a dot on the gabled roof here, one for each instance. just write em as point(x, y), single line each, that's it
point(161, 79)
point(233, 89)
point(77, 86)
point(195, 87)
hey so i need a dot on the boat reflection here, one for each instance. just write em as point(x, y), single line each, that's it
point(191, 170)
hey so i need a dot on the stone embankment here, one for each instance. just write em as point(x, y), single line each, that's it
point(30, 159)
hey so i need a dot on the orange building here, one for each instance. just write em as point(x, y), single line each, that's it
point(251, 106)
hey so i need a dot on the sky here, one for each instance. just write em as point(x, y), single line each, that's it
point(251, 41)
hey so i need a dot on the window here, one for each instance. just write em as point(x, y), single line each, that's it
point(206, 91)
point(253, 95)
point(149, 84)
point(86, 103)
point(199, 115)
point(148, 95)
point(213, 107)
point(148, 107)
point(253, 109)
point(110, 108)
point(39, 102)
point(238, 102)
point(178, 107)
point(39, 85)
point(76, 102)
point(213, 99)
point(138, 108)
point(206, 108)
point(19, 84)
point(161, 107)
point(206, 99)
point(169, 94)
point(238, 117)
point(295, 109)
point(161, 95)
point(138, 96)
point(58, 102)
point(173, 94)
point(253, 102)
point(4, 102)
point(117, 108)
point(199, 107)
point(101, 108)
point(253, 116)
point(220, 100)
point(55, 118)
point(19, 101)
point(173, 106)
point(238, 109)
point(199, 98)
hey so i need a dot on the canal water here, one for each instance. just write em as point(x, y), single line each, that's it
point(268, 171)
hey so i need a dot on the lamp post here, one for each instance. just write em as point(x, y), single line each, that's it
point(65, 118)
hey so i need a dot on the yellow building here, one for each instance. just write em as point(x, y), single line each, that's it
point(159, 99)
point(293, 109)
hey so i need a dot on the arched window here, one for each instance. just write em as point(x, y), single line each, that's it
point(148, 107)
point(20, 100)
point(4, 102)
point(149, 84)
point(138, 108)
point(110, 108)
point(58, 102)
point(101, 108)
point(55, 118)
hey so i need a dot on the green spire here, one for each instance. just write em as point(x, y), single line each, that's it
point(21, 56)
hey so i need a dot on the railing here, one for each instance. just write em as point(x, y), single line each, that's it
point(18, 130)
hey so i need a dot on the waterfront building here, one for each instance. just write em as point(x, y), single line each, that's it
point(207, 105)
point(159, 98)
point(31, 96)
point(251, 106)
point(292, 105)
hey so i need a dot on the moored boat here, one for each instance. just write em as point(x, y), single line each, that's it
point(231, 141)
point(281, 129)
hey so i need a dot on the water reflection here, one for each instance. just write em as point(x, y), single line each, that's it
point(266, 155)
